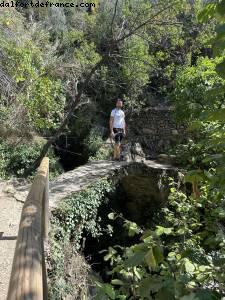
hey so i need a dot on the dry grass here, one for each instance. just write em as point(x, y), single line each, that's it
point(77, 274)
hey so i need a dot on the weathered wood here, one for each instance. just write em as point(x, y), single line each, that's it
point(28, 275)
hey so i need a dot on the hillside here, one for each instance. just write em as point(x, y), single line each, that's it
point(127, 99)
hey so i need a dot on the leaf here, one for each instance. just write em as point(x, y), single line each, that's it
point(137, 273)
point(221, 8)
point(216, 115)
point(162, 230)
point(202, 268)
point(109, 291)
point(189, 267)
point(117, 282)
point(168, 230)
point(209, 158)
point(220, 29)
point(101, 292)
point(150, 259)
point(218, 45)
point(134, 260)
point(195, 125)
point(148, 285)
point(107, 257)
point(181, 231)
point(220, 69)
point(132, 228)
point(121, 297)
point(171, 254)
point(159, 231)
point(146, 235)
point(111, 216)
point(194, 176)
point(207, 13)
point(158, 254)
point(163, 294)
point(110, 254)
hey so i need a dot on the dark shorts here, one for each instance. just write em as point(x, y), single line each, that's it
point(118, 135)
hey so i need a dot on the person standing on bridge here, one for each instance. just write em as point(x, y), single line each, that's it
point(117, 126)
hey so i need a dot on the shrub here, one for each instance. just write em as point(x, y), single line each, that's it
point(77, 215)
point(16, 158)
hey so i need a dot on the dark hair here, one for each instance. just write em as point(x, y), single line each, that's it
point(118, 99)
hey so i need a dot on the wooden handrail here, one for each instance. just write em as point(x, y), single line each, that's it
point(28, 279)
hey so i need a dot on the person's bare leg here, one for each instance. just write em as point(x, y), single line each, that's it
point(117, 151)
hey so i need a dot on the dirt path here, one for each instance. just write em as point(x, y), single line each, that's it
point(10, 211)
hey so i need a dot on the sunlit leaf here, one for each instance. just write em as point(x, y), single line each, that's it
point(111, 216)
point(117, 282)
point(189, 267)
point(150, 259)
point(207, 13)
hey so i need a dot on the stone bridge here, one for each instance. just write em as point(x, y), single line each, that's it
point(14, 192)
point(83, 176)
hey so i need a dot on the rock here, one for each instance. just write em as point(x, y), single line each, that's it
point(156, 129)
point(9, 190)
point(133, 152)
point(148, 131)
point(163, 158)
point(175, 132)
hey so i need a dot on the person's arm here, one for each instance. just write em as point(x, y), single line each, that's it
point(111, 124)
point(125, 126)
point(111, 121)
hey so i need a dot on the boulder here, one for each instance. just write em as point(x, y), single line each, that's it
point(132, 152)
point(148, 131)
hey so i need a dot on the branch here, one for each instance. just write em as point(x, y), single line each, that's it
point(122, 27)
point(114, 15)
point(145, 23)
point(134, 58)
point(68, 116)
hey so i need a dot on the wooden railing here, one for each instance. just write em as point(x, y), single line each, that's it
point(28, 279)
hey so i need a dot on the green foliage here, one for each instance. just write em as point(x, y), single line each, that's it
point(95, 146)
point(182, 257)
point(81, 212)
point(93, 142)
point(77, 215)
point(102, 153)
point(44, 57)
point(28, 64)
point(16, 158)
point(198, 89)
point(178, 259)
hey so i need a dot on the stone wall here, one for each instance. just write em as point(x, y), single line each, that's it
point(156, 130)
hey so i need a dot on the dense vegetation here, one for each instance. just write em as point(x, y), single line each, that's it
point(60, 71)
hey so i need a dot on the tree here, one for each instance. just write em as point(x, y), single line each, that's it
point(138, 57)
point(111, 38)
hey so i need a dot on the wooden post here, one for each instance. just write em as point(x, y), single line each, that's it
point(28, 281)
